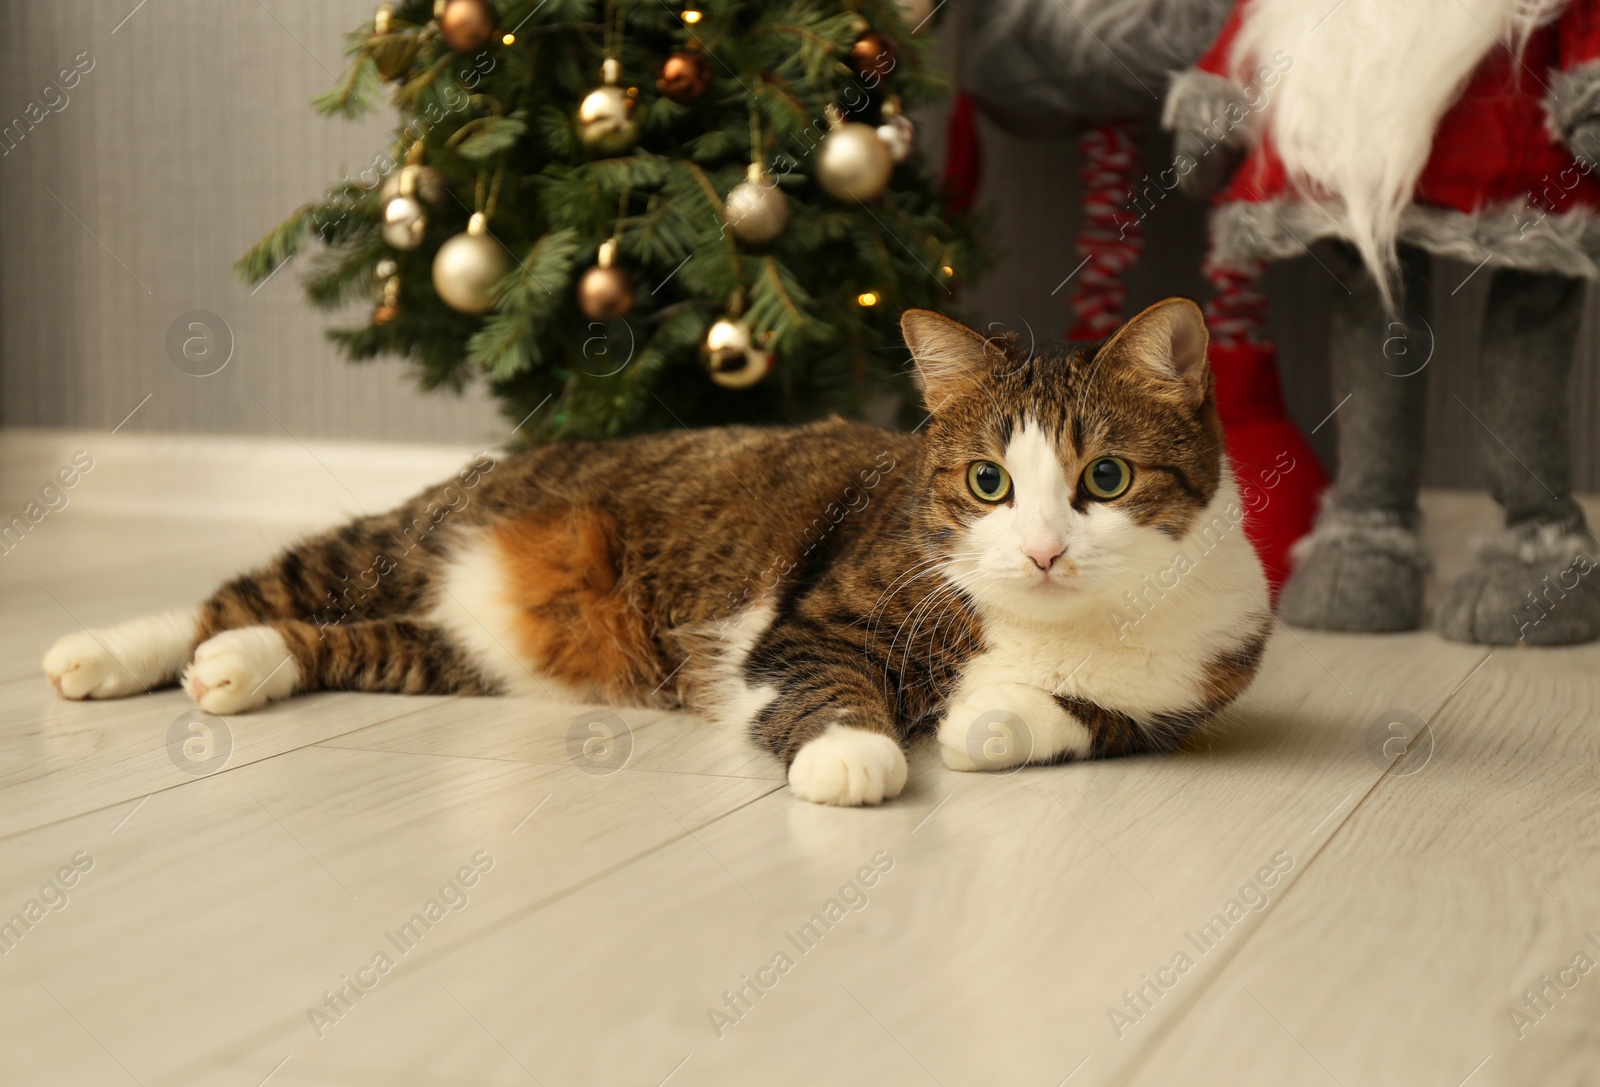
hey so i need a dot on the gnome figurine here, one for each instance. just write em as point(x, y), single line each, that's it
point(1397, 132)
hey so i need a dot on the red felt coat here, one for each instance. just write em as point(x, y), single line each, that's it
point(1499, 174)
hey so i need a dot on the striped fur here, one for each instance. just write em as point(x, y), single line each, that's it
point(834, 588)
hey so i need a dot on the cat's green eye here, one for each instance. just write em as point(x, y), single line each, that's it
point(1107, 478)
point(989, 481)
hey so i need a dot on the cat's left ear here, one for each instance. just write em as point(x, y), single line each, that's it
point(949, 355)
point(1168, 341)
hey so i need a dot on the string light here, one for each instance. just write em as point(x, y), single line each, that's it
point(509, 39)
point(947, 270)
point(690, 16)
point(867, 298)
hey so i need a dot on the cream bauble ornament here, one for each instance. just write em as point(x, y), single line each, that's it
point(896, 131)
point(605, 293)
point(468, 266)
point(605, 116)
point(756, 211)
point(852, 163)
point(736, 357)
point(404, 222)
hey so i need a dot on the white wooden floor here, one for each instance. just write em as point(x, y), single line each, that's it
point(609, 913)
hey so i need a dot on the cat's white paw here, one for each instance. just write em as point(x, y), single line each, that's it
point(1008, 724)
point(848, 766)
point(240, 670)
point(79, 666)
point(126, 659)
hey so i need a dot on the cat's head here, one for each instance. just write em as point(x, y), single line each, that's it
point(1052, 479)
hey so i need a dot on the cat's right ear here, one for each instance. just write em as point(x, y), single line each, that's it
point(949, 355)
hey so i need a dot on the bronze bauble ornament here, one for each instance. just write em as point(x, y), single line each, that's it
point(685, 77)
point(873, 56)
point(468, 266)
point(466, 25)
point(605, 293)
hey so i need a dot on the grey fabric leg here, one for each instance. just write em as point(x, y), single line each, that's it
point(1532, 581)
point(1363, 567)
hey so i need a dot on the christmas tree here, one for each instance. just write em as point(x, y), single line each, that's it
point(627, 216)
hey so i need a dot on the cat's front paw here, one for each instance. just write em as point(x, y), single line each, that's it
point(240, 670)
point(80, 666)
point(1006, 725)
point(848, 766)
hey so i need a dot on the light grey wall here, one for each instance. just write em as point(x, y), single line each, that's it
point(186, 141)
point(191, 136)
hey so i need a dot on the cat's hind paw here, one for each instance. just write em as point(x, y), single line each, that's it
point(241, 670)
point(848, 766)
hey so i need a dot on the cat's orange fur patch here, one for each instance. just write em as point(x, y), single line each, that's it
point(574, 618)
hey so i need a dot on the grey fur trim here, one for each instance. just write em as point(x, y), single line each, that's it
point(1198, 102)
point(1574, 98)
point(1538, 543)
point(1512, 237)
point(1394, 534)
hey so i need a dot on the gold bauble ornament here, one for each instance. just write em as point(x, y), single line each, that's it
point(756, 211)
point(605, 293)
point(685, 76)
point(386, 277)
point(605, 116)
point(896, 131)
point(735, 356)
point(404, 222)
point(852, 163)
point(466, 25)
point(468, 266)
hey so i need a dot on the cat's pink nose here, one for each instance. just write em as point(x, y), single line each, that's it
point(1043, 555)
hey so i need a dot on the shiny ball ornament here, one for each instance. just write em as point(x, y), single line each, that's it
point(685, 77)
point(734, 356)
point(853, 163)
point(468, 266)
point(873, 55)
point(605, 116)
point(917, 14)
point(756, 211)
point(605, 293)
point(466, 25)
point(404, 222)
point(896, 131)
point(387, 277)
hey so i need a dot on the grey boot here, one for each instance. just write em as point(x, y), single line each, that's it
point(1363, 567)
point(1532, 580)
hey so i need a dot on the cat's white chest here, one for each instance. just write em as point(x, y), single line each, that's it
point(1089, 662)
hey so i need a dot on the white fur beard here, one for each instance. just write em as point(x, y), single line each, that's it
point(1354, 118)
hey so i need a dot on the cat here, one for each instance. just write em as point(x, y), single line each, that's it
point(1052, 569)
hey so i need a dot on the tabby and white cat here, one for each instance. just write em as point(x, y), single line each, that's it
point(1052, 570)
